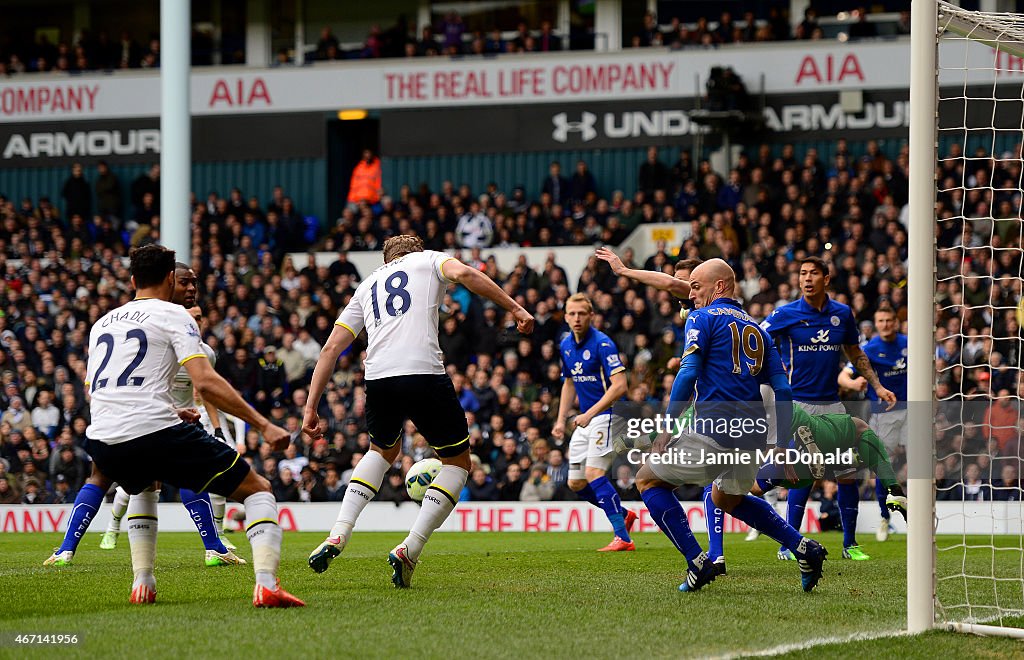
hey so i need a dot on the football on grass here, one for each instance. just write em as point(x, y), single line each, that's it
point(420, 476)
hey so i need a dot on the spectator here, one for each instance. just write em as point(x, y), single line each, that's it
point(365, 185)
point(625, 484)
point(327, 46)
point(286, 489)
point(474, 229)
point(76, 194)
point(108, 193)
point(481, 487)
point(35, 493)
point(829, 513)
point(9, 493)
point(146, 184)
point(16, 416)
point(556, 185)
point(334, 489)
point(511, 486)
point(45, 415)
point(654, 174)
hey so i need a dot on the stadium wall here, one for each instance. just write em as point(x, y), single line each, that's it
point(954, 518)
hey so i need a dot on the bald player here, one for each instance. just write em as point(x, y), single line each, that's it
point(726, 359)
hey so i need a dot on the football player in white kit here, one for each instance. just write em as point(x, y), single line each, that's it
point(201, 506)
point(137, 438)
point(398, 305)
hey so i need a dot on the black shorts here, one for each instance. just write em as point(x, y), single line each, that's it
point(428, 400)
point(183, 455)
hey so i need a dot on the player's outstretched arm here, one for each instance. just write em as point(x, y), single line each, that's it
point(660, 281)
point(863, 366)
point(219, 392)
point(480, 284)
point(340, 339)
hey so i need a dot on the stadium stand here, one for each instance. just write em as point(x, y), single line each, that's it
point(267, 316)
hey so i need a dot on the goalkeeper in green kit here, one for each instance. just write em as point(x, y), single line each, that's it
point(831, 446)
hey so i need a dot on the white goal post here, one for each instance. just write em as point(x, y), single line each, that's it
point(966, 128)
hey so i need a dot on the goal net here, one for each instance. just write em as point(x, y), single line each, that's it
point(979, 390)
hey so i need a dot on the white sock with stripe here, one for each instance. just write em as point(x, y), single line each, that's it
point(362, 487)
point(118, 509)
point(438, 504)
point(218, 502)
point(142, 528)
point(264, 535)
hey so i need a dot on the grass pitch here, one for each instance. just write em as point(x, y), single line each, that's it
point(474, 595)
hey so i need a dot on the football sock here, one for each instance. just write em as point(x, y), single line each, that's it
point(716, 524)
point(587, 494)
point(117, 511)
point(762, 516)
point(881, 494)
point(796, 502)
point(608, 499)
point(218, 503)
point(362, 487)
point(670, 517)
point(87, 503)
point(142, 528)
point(849, 505)
point(438, 503)
point(201, 512)
point(264, 535)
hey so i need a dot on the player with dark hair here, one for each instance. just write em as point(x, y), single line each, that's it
point(811, 334)
point(138, 438)
point(201, 506)
point(398, 305)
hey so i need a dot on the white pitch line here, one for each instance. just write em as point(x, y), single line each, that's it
point(811, 643)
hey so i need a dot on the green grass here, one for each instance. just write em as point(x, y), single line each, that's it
point(474, 595)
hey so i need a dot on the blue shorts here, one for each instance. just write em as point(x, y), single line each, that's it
point(183, 455)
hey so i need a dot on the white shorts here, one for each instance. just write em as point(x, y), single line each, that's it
point(835, 408)
point(592, 446)
point(891, 428)
point(699, 460)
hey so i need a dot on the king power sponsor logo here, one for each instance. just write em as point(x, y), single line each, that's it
point(130, 142)
point(586, 126)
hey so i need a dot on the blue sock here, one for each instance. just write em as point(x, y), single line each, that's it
point(87, 503)
point(882, 493)
point(608, 499)
point(587, 494)
point(849, 506)
point(762, 516)
point(201, 512)
point(670, 517)
point(716, 521)
point(796, 502)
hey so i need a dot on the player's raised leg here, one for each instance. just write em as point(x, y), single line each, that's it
point(117, 511)
point(142, 529)
point(87, 503)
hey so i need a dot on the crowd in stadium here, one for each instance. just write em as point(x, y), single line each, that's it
point(267, 316)
point(101, 51)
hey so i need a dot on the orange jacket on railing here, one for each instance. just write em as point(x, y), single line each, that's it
point(365, 185)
